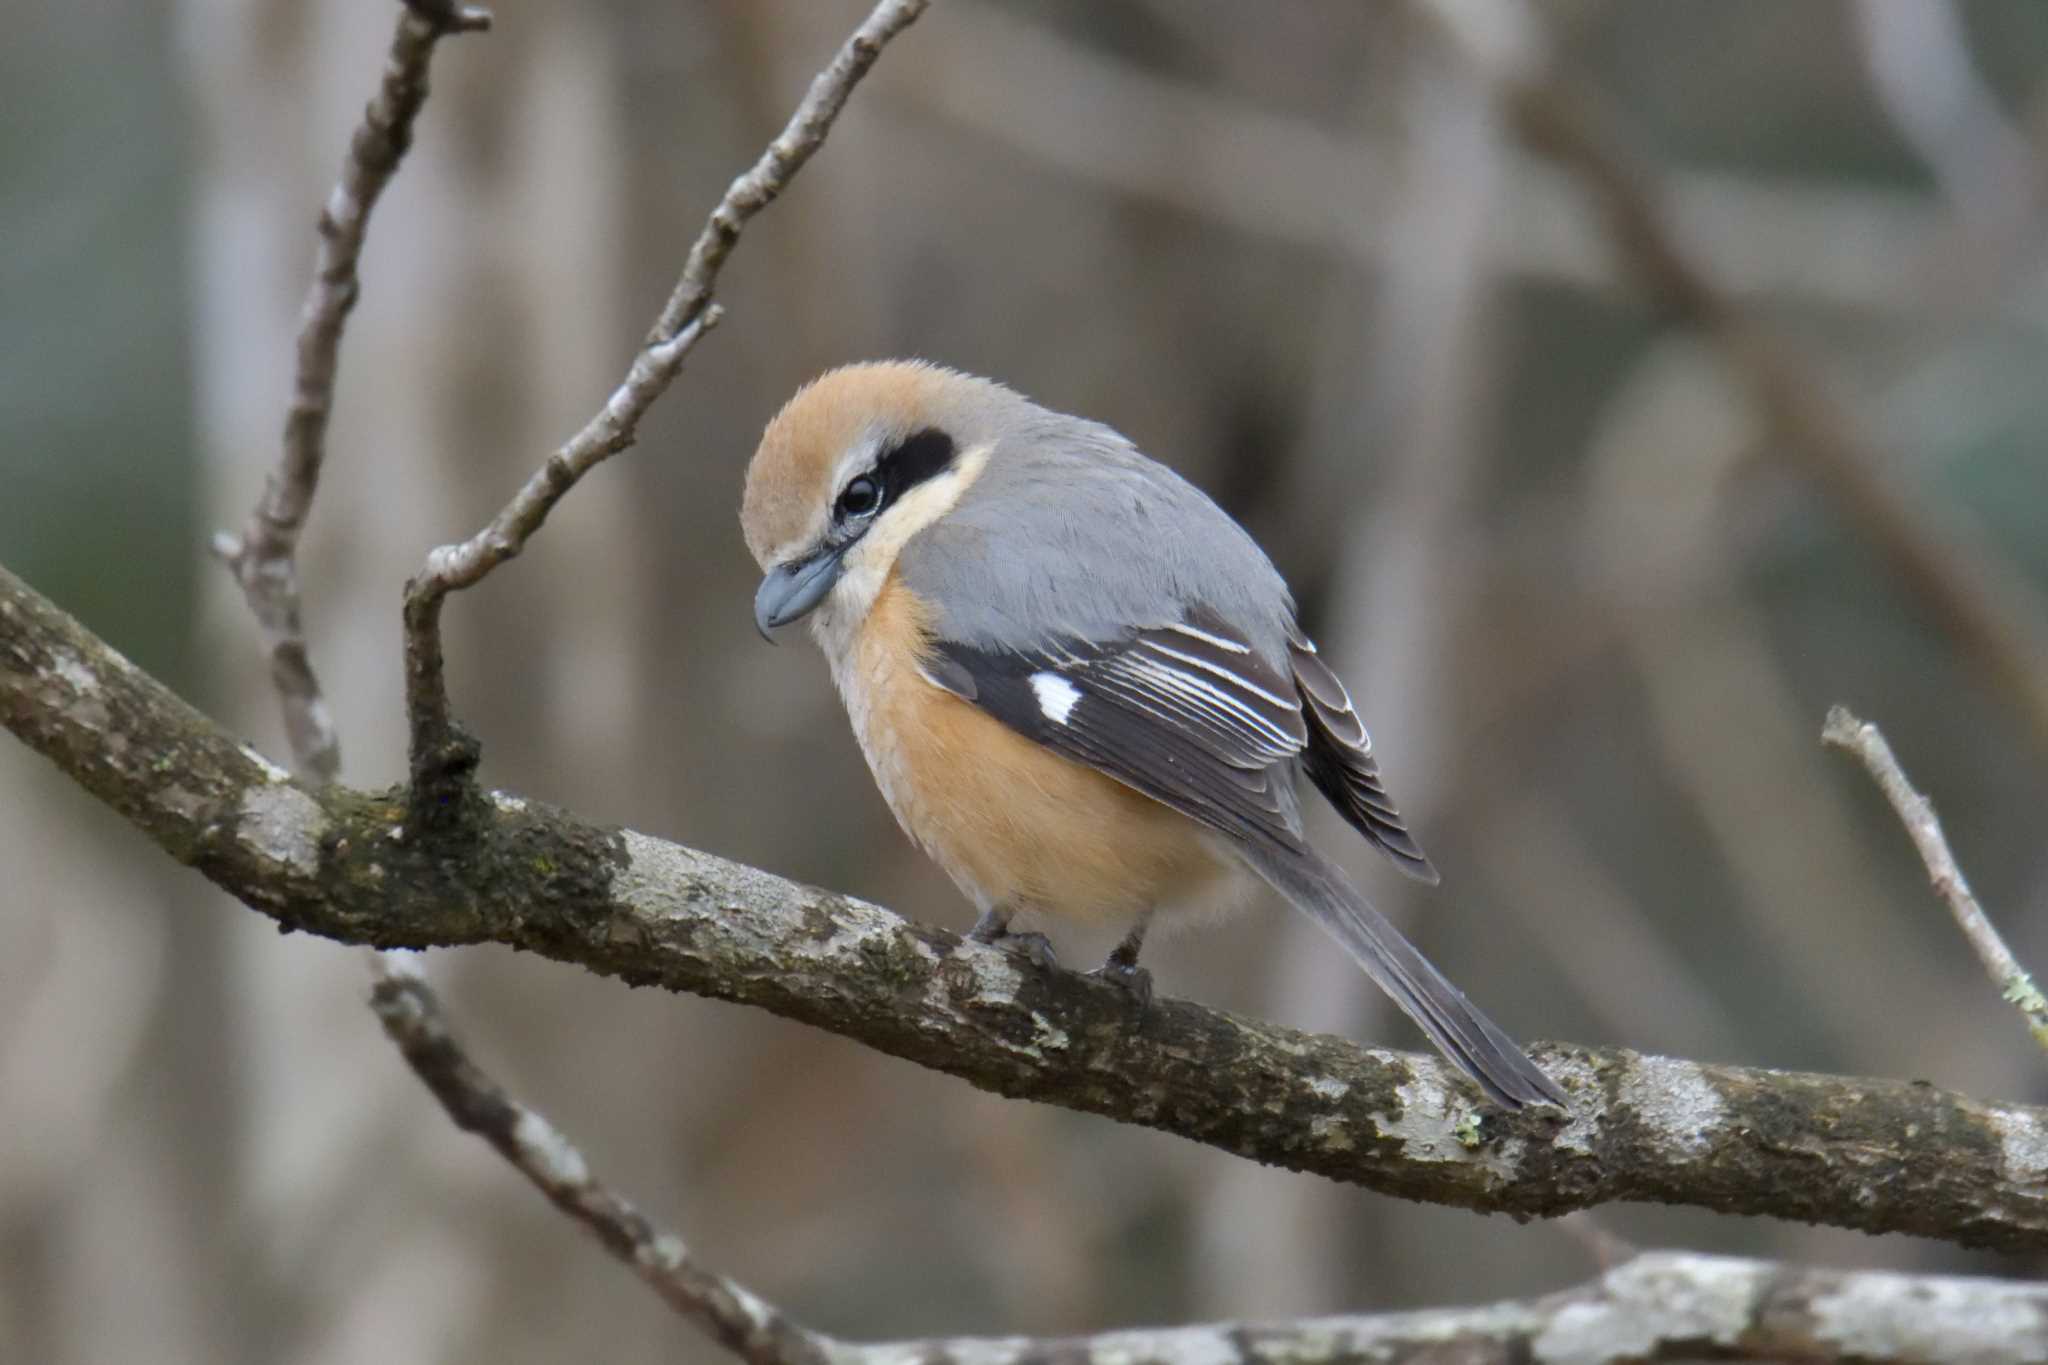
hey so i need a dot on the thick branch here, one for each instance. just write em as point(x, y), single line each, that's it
point(688, 314)
point(1874, 1155)
point(264, 557)
point(1663, 1306)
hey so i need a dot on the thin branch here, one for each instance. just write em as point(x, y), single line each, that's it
point(737, 1319)
point(1644, 1307)
point(1990, 612)
point(688, 314)
point(264, 557)
point(355, 867)
point(1661, 1306)
point(264, 561)
point(1865, 741)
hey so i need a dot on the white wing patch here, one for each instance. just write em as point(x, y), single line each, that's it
point(1056, 696)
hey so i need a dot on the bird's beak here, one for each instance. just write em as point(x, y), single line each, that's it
point(792, 591)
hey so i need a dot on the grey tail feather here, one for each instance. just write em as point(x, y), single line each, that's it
point(1472, 1041)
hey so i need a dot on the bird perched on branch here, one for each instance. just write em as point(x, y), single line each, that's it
point(1080, 685)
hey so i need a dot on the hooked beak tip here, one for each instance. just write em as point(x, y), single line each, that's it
point(791, 591)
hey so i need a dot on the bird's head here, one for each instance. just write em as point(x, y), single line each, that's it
point(859, 461)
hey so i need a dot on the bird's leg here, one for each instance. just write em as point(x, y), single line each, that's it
point(1122, 967)
point(993, 928)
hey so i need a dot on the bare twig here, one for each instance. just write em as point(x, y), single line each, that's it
point(1990, 612)
point(750, 1327)
point(263, 557)
point(353, 866)
point(687, 315)
point(1863, 739)
point(264, 561)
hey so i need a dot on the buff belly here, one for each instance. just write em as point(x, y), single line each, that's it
point(1012, 823)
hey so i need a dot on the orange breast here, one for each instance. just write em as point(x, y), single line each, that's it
point(1013, 823)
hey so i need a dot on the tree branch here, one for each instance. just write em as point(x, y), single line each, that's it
point(264, 557)
point(264, 562)
point(739, 1320)
point(1867, 743)
point(438, 751)
point(1873, 1155)
point(1661, 1306)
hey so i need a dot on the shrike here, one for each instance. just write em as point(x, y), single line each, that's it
point(1080, 685)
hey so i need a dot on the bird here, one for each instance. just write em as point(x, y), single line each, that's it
point(1079, 684)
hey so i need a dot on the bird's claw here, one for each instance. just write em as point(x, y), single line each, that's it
point(1033, 947)
point(1133, 980)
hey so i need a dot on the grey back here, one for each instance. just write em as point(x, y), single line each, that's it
point(1071, 533)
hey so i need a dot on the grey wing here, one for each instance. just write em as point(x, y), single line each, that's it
point(1339, 761)
point(1187, 714)
point(1091, 568)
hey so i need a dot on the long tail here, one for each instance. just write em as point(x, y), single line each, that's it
point(1475, 1043)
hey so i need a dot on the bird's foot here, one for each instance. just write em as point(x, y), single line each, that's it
point(1128, 977)
point(1034, 948)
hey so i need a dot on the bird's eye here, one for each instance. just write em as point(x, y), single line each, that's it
point(861, 498)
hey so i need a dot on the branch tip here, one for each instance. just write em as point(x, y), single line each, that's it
point(1843, 730)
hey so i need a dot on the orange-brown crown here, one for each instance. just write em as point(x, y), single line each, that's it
point(789, 482)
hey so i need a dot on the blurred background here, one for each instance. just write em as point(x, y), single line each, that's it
point(1592, 606)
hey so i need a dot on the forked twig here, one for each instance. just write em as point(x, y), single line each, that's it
point(264, 557)
point(687, 315)
point(264, 561)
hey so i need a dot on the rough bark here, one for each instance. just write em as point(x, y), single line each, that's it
point(1874, 1155)
point(1662, 1306)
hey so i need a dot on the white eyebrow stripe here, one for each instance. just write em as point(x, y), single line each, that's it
point(1284, 703)
point(1223, 643)
point(1056, 696)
